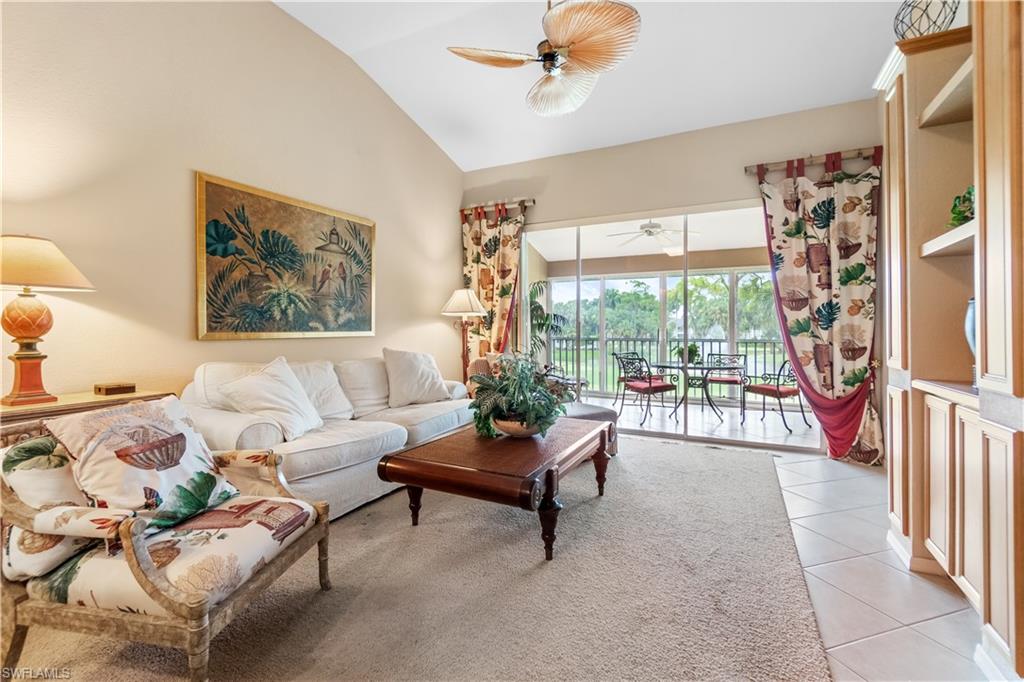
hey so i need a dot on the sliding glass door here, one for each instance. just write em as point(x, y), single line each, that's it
point(685, 294)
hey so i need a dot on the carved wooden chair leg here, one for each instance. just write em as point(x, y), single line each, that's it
point(198, 649)
point(321, 545)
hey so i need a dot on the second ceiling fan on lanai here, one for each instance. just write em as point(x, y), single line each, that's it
point(649, 229)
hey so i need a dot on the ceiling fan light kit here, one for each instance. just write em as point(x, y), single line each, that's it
point(584, 38)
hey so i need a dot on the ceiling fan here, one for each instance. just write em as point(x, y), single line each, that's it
point(650, 229)
point(584, 38)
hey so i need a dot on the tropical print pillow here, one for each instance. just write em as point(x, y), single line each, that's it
point(143, 456)
point(27, 554)
point(37, 470)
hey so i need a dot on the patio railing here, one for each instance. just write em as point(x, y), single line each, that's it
point(599, 368)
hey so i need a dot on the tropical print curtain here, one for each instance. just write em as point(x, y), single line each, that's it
point(822, 238)
point(490, 267)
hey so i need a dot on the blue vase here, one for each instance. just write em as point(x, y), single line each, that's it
point(969, 328)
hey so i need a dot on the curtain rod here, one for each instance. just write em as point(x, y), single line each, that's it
point(521, 201)
point(862, 153)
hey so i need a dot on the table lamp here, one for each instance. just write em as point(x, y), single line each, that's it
point(464, 303)
point(32, 264)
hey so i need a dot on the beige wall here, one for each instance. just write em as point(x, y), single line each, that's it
point(698, 169)
point(536, 266)
point(699, 260)
point(109, 109)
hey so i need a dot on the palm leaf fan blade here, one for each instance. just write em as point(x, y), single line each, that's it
point(560, 93)
point(598, 35)
point(499, 58)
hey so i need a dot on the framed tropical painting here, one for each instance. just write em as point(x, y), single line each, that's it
point(272, 267)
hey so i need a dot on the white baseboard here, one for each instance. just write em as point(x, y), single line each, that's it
point(991, 656)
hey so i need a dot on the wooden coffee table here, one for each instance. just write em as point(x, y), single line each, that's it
point(521, 472)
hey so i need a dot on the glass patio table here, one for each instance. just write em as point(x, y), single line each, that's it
point(696, 376)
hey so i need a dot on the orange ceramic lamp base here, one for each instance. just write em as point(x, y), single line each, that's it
point(27, 319)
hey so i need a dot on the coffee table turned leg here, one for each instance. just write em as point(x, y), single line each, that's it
point(548, 512)
point(601, 464)
point(415, 495)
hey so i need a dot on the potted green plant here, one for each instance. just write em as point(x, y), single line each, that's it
point(962, 211)
point(690, 355)
point(515, 400)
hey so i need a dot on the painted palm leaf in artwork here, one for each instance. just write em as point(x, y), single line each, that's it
point(358, 249)
point(360, 290)
point(220, 240)
point(278, 252)
point(249, 317)
point(222, 295)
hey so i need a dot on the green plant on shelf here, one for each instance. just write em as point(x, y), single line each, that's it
point(962, 211)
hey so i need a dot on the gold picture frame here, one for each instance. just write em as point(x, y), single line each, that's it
point(270, 266)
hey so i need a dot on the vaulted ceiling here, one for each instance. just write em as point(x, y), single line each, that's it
point(697, 64)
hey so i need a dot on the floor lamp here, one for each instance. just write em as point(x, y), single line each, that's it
point(32, 264)
point(464, 304)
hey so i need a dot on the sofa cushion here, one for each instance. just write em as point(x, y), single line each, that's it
point(274, 391)
point(413, 378)
point(339, 443)
point(211, 554)
point(423, 422)
point(323, 388)
point(143, 456)
point(316, 376)
point(365, 382)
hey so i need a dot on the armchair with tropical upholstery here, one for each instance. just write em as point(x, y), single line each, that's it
point(130, 573)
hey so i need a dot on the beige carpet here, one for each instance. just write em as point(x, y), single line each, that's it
point(686, 569)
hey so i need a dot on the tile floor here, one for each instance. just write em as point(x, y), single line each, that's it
point(878, 621)
point(706, 424)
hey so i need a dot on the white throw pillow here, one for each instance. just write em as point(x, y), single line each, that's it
point(365, 383)
point(414, 378)
point(321, 385)
point(274, 392)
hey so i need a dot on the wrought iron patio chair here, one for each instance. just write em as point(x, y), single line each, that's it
point(637, 378)
point(778, 386)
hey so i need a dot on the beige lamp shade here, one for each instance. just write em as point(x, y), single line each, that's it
point(37, 263)
point(463, 303)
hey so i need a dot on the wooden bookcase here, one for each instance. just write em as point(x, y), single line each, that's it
point(951, 104)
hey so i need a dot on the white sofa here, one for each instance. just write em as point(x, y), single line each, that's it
point(338, 461)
